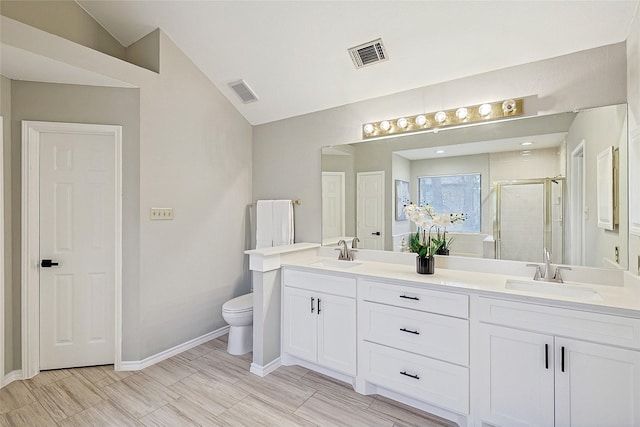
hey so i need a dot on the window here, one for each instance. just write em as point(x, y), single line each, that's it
point(453, 193)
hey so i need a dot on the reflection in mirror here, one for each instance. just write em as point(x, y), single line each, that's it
point(534, 181)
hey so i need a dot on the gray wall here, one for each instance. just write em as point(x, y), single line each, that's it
point(195, 156)
point(401, 170)
point(590, 78)
point(65, 19)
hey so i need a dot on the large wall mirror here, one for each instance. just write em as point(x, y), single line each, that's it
point(526, 184)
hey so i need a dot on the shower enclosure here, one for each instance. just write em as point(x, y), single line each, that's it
point(529, 217)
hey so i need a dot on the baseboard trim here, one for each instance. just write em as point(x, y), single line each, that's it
point(263, 371)
point(152, 360)
point(11, 377)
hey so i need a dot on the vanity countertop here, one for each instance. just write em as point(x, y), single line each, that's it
point(618, 300)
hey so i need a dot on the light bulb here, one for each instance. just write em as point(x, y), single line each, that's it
point(402, 123)
point(385, 126)
point(440, 152)
point(462, 113)
point(484, 110)
point(368, 129)
point(440, 116)
point(509, 106)
point(421, 120)
point(527, 143)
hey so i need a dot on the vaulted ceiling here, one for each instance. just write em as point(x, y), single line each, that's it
point(293, 54)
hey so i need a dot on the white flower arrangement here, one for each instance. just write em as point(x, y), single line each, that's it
point(426, 218)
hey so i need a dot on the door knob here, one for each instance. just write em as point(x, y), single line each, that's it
point(47, 263)
point(376, 233)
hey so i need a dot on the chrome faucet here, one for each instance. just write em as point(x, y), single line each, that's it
point(344, 250)
point(354, 243)
point(546, 274)
point(346, 254)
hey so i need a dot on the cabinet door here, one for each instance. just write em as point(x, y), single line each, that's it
point(337, 333)
point(599, 385)
point(516, 377)
point(299, 323)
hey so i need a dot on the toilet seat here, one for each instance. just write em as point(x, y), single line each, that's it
point(241, 304)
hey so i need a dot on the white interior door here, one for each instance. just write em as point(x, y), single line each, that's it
point(333, 219)
point(77, 212)
point(370, 206)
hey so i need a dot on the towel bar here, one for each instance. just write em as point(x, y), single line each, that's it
point(293, 202)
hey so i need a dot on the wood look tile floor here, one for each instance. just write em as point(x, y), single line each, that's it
point(204, 386)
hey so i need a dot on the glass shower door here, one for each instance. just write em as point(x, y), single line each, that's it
point(521, 221)
point(529, 217)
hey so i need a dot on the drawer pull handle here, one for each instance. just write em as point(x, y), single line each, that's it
point(415, 377)
point(410, 332)
point(312, 307)
point(319, 306)
point(562, 357)
point(407, 297)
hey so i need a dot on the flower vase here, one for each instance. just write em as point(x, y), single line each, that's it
point(425, 265)
point(442, 251)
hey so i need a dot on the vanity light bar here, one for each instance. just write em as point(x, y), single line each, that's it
point(444, 118)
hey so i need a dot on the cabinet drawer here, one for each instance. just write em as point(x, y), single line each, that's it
point(329, 284)
point(602, 328)
point(428, 380)
point(416, 298)
point(432, 335)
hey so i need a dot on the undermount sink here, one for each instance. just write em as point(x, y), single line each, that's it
point(553, 288)
point(336, 263)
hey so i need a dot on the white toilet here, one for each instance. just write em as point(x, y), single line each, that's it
point(238, 313)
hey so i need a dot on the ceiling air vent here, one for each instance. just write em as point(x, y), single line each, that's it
point(242, 89)
point(368, 53)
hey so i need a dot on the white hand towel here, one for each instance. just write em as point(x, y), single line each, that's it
point(282, 222)
point(264, 224)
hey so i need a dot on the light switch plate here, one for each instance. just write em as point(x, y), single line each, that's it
point(161, 213)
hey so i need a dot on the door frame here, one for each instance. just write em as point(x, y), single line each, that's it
point(2, 270)
point(30, 256)
point(576, 204)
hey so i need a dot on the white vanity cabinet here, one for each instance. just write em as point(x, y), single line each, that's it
point(319, 319)
point(538, 367)
point(414, 341)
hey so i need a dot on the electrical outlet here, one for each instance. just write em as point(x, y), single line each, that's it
point(161, 213)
